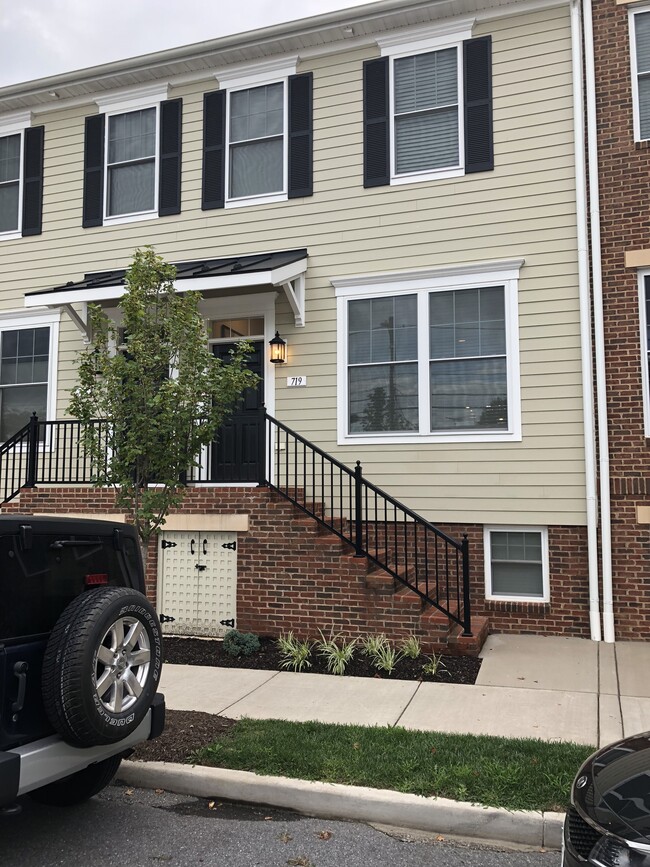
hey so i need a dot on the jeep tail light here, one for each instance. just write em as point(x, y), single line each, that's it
point(96, 579)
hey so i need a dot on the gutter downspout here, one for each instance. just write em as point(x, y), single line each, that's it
point(599, 330)
point(585, 322)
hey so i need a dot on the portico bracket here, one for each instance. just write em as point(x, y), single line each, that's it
point(81, 321)
point(295, 292)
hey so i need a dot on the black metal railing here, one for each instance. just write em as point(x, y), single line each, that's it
point(396, 539)
point(47, 452)
point(393, 537)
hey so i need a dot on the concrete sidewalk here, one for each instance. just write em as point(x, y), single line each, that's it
point(567, 689)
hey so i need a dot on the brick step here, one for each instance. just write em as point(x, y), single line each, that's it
point(466, 645)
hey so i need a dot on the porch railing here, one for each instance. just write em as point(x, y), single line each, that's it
point(395, 538)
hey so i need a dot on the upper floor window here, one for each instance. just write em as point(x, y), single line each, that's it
point(131, 162)
point(640, 56)
point(132, 157)
point(431, 358)
point(257, 136)
point(257, 141)
point(10, 161)
point(21, 176)
point(428, 107)
point(425, 112)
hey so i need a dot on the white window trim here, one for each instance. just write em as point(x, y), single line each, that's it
point(487, 559)
point(423, 41)
point(422, 283)
point(48, 318)
point(16, 124)
point(645, 349)
point(245, 78)
point(636, 114)
point(123, 102)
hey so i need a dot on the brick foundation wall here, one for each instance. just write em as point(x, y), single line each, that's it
point(291, 577)
point(624, 166)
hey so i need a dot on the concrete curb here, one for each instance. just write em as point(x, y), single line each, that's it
point(334, 801)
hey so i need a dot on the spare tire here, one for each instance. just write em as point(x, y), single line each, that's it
point(102, 666)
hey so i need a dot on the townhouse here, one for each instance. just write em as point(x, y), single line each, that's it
point(392, 193)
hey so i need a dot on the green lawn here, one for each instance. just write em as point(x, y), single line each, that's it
point(500, 772)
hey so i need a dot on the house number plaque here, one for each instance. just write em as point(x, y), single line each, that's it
point(296, 381)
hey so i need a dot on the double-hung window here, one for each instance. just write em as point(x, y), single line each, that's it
point(429, 358)
point(426, 116)
point(640, 58)
point(27, 370)
point(428, 106)
point(516, 564)
point(257, 136)
point(131, 162)
point(21, 176)
point(257, 141)
point(132, 157)
point(10, 182)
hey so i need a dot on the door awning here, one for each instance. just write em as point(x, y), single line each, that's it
point(284, 269)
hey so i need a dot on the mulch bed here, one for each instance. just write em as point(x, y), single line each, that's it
point(187, 731)
point(199, 651)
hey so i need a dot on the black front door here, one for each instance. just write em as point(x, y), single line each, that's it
point(238, 450)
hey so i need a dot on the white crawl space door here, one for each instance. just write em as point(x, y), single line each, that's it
point(197, 582)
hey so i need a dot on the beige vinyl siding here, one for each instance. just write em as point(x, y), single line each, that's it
point(525, 209)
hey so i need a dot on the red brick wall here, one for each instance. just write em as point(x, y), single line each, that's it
point(625, 214)
point(290, 577)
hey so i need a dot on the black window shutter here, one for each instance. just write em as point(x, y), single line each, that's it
point(93, 205)
point(214, 150)
point(169, 188)
point(479, 145)
point(376, 126)
point(33, 181)
point(300, 135)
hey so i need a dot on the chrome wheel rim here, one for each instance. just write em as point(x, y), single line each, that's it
point(122, 664)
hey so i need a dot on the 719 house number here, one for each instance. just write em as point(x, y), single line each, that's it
point(296, 381)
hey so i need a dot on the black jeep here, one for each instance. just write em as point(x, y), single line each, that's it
point(80, 656)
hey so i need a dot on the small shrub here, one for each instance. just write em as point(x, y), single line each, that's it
point(236, 643)
point(411, 647)
point(434, 665)
point(336, 651)
point(372, 644)
point(386, 658)
point(293, 652)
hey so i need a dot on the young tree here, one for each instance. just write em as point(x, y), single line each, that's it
point(160, 397)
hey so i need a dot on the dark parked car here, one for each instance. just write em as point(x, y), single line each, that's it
point(80, 657)
point(608, 823)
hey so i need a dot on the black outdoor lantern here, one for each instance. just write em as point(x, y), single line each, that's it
point(278, 349)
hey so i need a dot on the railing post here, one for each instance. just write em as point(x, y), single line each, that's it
point(32, 452)
point(358, 512)
point(262, 450)
point(467, 615)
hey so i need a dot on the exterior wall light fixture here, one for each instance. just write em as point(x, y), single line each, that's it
point(278, 349)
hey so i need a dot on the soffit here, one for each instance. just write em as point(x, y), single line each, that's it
point(296, 37)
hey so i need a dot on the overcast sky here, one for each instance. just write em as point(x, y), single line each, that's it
point(46, 37)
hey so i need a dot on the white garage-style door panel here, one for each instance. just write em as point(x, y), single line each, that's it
point(197, 582)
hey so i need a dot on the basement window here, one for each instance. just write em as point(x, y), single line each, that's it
point(516, 564)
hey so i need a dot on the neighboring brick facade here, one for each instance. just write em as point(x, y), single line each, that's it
point(625, 218)
point(293, 577)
